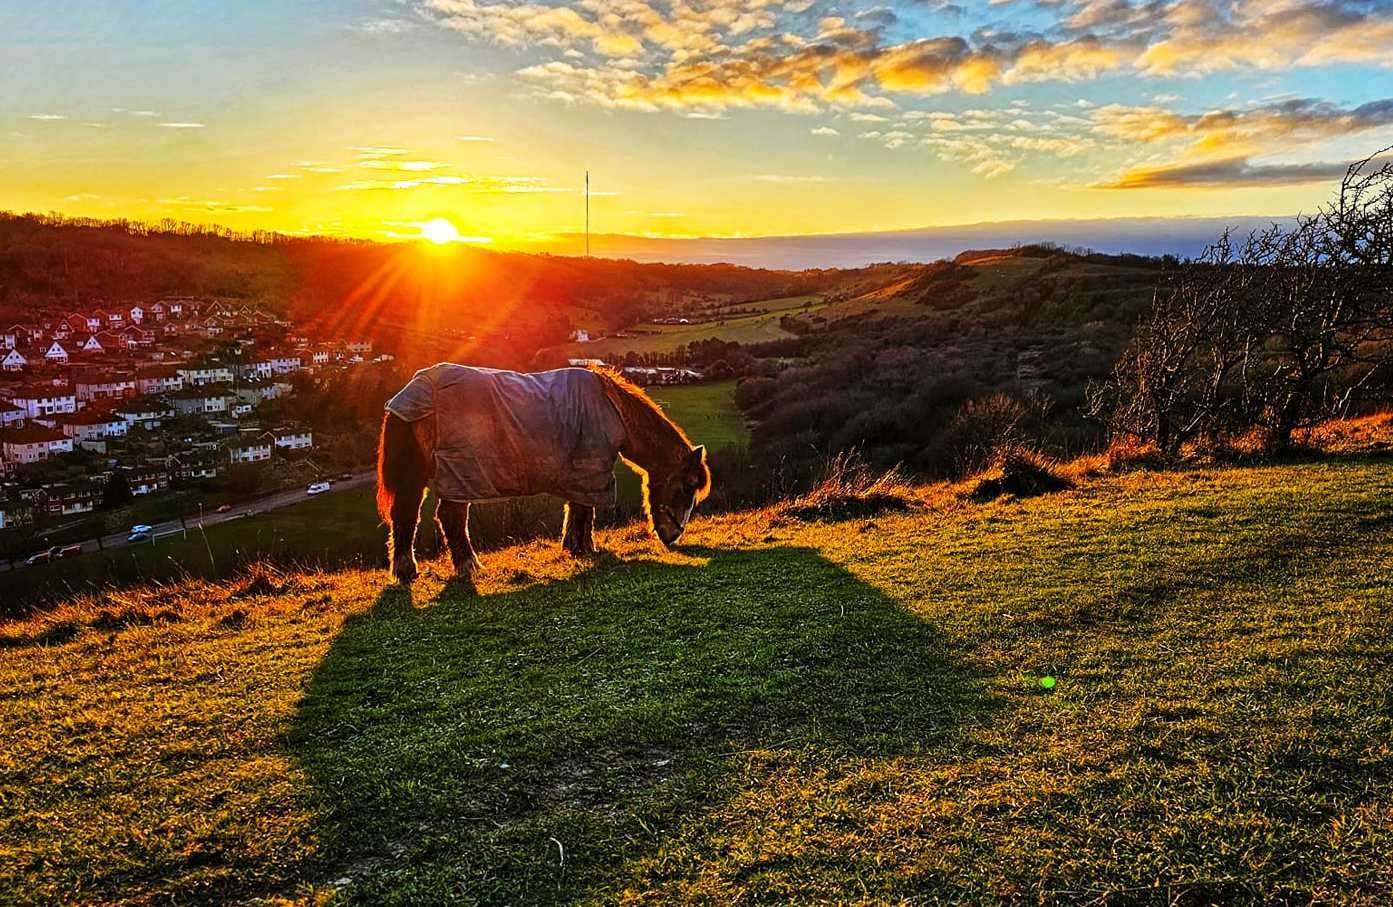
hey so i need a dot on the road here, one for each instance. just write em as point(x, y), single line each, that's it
point(238, 511)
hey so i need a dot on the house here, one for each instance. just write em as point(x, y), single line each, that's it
point(258, 370)
point(190, 466)
point(284, 363)
point(137, 336)
point(193, 402)
point(64, 499)
point(159, 311)
point(248, 450)
point(159, 379)
point(44, 400)
point(114, 318)
point(289, 437)
point(580, 335)
point(320, 356)
point(14, 361)
point(91, 429)
point(146, 479)
point(78, 323)
point(87, 344)
point(137, 314)
point(9, 339)
point(144, 412)
point(360, 346)
point(56, 353)
point(104, 387)
point(205, 373)
point(242, 408)
point(585, 363)
point(11, 416)
point(33, 444)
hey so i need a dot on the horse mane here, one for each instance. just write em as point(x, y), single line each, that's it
point(642, 417)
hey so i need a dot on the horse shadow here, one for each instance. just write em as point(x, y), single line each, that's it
point(528, 747)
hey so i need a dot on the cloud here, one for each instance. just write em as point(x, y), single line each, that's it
point(473, 138)
point(824, 130)
point(1233, 173)
point(182, 125)
point(1243, 132)
point(709, 57)
point(47, 116)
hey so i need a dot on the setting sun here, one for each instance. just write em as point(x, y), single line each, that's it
point(440, 231)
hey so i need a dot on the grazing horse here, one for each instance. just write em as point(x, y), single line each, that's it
point(477, 434)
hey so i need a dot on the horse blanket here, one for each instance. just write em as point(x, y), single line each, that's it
point(503, 434)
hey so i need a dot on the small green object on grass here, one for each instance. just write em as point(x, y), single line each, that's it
point(1047, 682)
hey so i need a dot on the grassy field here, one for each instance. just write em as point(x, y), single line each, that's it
point(781, 711)
point(757, 327)
point(343, 528)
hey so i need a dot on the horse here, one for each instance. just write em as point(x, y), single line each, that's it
point(485, 434)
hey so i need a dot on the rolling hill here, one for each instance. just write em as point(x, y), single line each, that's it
point(1158, 686)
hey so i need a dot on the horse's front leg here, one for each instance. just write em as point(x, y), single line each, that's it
point(453, 519)
point(579, 535)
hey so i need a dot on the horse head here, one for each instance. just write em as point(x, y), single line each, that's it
point(674, 492)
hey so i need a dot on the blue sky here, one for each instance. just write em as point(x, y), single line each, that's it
point(716, 118)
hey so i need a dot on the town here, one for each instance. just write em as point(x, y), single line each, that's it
point(108, 405)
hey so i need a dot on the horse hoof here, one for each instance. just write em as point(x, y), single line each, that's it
point(405, 575)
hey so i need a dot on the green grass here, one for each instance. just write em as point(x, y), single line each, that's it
point(783, 711)
point(664, 338)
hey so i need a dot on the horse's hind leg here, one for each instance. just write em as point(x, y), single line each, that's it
point(579, 535)
point(453, 518)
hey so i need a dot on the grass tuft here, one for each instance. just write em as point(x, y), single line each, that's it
point(1019, 473)
point(848, 488)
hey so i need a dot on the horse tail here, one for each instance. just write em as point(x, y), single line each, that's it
point(401, 464)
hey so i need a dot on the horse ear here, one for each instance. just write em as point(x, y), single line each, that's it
point(698, 455)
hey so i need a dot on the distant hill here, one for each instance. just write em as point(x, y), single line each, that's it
point(1184, 237)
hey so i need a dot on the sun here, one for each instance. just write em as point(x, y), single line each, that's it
point(440, 231)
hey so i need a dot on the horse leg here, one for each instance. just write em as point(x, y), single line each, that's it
point(453, 517)
point(579, 537)
point(406, 512)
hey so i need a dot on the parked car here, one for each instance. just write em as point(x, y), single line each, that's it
point(69, 550)
point(343, 477)
point(223, 508)
point(142, 527)
point(41, 557)
point(141, 534)
point(318, 488)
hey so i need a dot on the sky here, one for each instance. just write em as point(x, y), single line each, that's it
point(711, 118)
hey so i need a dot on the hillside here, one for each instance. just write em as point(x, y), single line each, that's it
point(840, 711)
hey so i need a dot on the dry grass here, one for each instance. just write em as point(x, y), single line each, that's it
point(849, 488)
point(1017, 473)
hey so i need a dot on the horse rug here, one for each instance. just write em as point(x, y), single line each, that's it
point(502, 434)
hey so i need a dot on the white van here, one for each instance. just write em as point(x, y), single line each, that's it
point(317, 488)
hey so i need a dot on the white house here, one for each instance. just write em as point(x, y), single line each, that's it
point(105, 387)
point(56, 353)
point(360, 346)
point(33, 444)
point(199, 403)
point(291, 438)
point(91, 429)
point(159, 379)
point(14, 361)
point(146, 412)
point(260, 369)
point(249, 450)
point(137, 314)
point(9, 340)
point(284, 363)
point(205, 373)
point(44, 400)
point(159, 311)
point(11, 416)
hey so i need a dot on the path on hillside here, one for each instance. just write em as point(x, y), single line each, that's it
point(192, 523)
